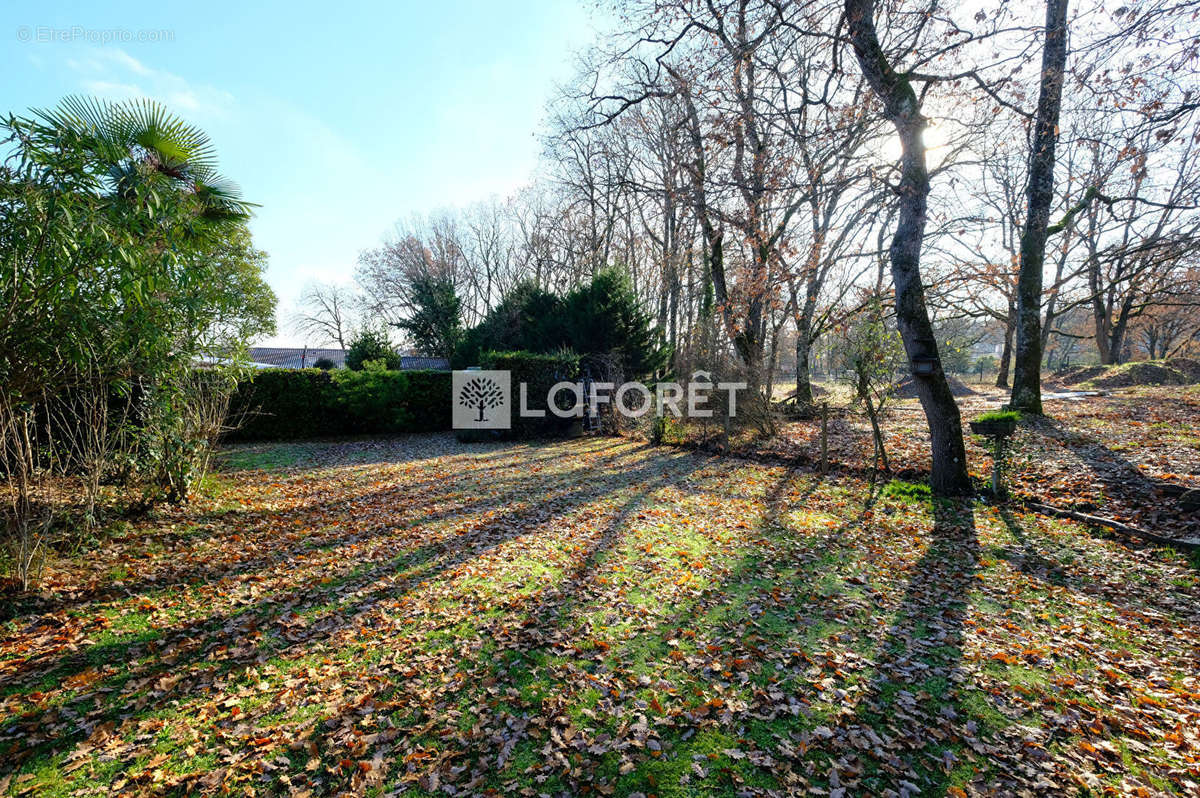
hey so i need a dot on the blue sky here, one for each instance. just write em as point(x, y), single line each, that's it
point(338, 118)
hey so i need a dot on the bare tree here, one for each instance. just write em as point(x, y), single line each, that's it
point(326, 313)
point(1172, 328)
point(902, 106)
point(1141, 243)
point(818, 108)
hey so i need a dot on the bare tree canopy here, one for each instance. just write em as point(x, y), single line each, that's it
point(325, 313)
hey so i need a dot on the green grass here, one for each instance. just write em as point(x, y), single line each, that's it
point(264, 457)
point(999, 415)
point(907, 491)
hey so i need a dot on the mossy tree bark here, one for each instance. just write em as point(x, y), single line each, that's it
point(1039, 194)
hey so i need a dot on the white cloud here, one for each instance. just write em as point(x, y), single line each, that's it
point(112, 72)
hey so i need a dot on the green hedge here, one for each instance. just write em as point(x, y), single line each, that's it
point(282, 404)
point(540, 372)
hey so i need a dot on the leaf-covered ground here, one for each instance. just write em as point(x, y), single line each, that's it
point(597, 617)
point(1109, 455)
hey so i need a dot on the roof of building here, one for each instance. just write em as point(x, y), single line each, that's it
point(306, 357)
point(412, 362)
point(295, 357)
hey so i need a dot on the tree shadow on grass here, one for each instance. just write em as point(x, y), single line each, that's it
point(1029, 557)
point(479, 531)
point(478, 674)
point(1118, 476)
point(530, 624)
point(227, 638)
point(917, 666)
point(259, 548)
point(552, 645)
point(716, 632)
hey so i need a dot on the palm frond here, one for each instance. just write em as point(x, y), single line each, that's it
point(129, 134)
point(92, 122)
point(220, 196)
point(174, 141)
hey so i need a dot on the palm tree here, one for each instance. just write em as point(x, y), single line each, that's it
point(140, 147)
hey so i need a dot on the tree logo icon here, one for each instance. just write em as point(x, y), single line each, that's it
point(481, 399)
point(481, 393)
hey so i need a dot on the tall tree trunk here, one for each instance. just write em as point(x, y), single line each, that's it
point(1116, 346)
point(1119, 340)
point(1039, 195)
point(673, 340)
point(804, 344)
point(949, 473)
point(1102, 319)
point(1051, 312)
point(804, 393)
point(1006, 352)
